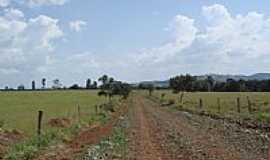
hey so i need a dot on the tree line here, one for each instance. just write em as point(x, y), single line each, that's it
point(191, 83)
point(58, 85)
point(110, 87)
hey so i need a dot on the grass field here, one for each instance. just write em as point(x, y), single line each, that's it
point(228, 101)
point(19, 110)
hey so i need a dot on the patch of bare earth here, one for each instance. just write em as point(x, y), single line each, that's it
point(80, 142)
point(59, 122)
point(157, 133)
point(8, 137)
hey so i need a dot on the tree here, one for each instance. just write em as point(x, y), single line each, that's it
point(242, 87)
point(104, 80)
point(210, 83)
point(110, 87)
point(182, 84)
point(94, 85)
point(88, 83)
point(56, 84)
point(232, 85)
point(150, 88)
point(43, 83)
point(33, 85)
point(121, 89)
point(21, 87)
point(200, 85)
point(106, 89)
point(74, 86)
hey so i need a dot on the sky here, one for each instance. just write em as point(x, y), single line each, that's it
point(73, 40)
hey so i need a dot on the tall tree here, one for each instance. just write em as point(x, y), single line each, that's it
point(56, 84)
point(33, 85)
point(242, 85)
point(88, 83)
point(104, 80)
point(74, 86)
point(43, 83)
point(94, 86)
point(106, 87)
point(150, 88)
point(210, 83)
point(181, 84)
point(21, 87)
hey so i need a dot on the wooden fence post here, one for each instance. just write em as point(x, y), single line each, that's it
point(238, 105)
point(40, 115)
point(201, 104)
point(249, 105)
point(96, 109)
point(219, 107)
point(79, 114)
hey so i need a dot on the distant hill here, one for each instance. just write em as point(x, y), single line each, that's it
point(217, 77)
point(260, 76)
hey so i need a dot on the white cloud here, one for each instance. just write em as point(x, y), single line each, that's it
point(77, 25)
point(226, 44)
point(34, 3)
point(25, 44)
point(184, 34)
point(4, 3)
point(12, 14)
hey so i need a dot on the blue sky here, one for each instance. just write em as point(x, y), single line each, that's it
point(131, 40)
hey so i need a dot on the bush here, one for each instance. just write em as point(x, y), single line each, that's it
point(171, 102)
point(2, 123)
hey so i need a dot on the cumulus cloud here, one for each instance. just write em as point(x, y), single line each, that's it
point(12, 14)
point(4, 3)
point(184, 34)
point(34, 3)
point(225, 44)
point(25, 43)
point(77, 25)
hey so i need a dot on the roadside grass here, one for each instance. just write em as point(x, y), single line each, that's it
point(27, 148)
point(18, 110)
point(260, 102)
point(112, 147)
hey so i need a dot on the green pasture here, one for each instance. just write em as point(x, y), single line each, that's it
point(19, 110)
point(260, 102)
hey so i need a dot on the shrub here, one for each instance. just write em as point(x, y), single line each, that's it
point(171, 102)
point(2, 123)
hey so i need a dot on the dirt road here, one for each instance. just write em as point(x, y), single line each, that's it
point(160, 134)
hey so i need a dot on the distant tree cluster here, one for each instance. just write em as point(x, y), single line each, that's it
point(192, 83)
point(149, 87)
point(109, 87)
point(56, 85)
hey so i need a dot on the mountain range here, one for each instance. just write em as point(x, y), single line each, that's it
point(216, 77)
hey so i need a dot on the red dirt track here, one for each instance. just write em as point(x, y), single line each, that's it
point(80, 142)
point(157, 134)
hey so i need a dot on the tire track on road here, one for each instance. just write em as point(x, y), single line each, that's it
point(160, 135)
